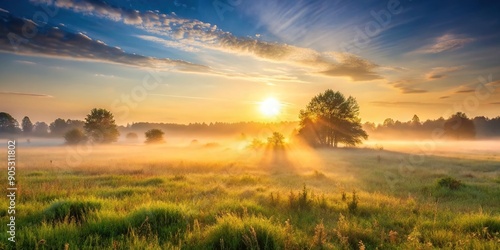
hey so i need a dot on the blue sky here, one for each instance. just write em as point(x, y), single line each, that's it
point(193, 61)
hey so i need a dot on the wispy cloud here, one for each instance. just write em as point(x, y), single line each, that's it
point(444, 43)
point(188, 34)
point(394, 68)
point(407, 87)
point(103, 75)
point(25, 94)
point(25, 62)
point(357, 68)
point(441, 72)
point(464, 91)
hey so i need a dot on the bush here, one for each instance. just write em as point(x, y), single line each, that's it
point(451, 183)
point(154, 136)
point(74, 136)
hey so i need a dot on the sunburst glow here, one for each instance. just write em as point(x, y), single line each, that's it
point(270, 107)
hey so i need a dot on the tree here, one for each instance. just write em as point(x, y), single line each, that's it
point(415, 121)
point(41, 128)
point(75, 124)
point(154, 136)
point(100, 126)
point(330, 119)
point(27, 125)
point(74, 136)
point(388, 122)
point(58, 127)
point(8, 124)
point(459, 126)
point(276, 140)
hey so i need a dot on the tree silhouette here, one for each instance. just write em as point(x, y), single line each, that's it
point(276, 140)
point(459, 127)
point(388, 122)
point(154, 136)
point(58, 127)
point(8, 124)
point(100, 126)
point(415, 121)
point(27, 125)
point(41, 128)
point(74, 136)
point(330, 118)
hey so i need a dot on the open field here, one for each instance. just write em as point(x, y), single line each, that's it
point(212, 196)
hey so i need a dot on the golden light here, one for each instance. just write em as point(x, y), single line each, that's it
point(270, 107)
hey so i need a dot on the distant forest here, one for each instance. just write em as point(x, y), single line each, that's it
point(458, 126)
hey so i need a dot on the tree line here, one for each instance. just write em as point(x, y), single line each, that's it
point(458, 126)
point(57, 128)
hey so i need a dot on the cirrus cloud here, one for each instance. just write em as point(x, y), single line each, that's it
point(444, 43)
point(441, 72)
point(25, 94)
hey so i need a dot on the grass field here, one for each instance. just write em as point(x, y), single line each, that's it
point(215, 197)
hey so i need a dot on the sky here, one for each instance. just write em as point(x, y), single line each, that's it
point(187, 61)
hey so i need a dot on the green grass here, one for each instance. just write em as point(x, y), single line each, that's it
point(221, 198)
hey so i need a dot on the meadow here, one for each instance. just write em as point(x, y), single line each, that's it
point(213, 196)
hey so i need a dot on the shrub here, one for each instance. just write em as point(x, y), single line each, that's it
point(74, 136)
point(154, 136)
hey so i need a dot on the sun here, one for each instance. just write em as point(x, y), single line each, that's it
point(270, 107)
